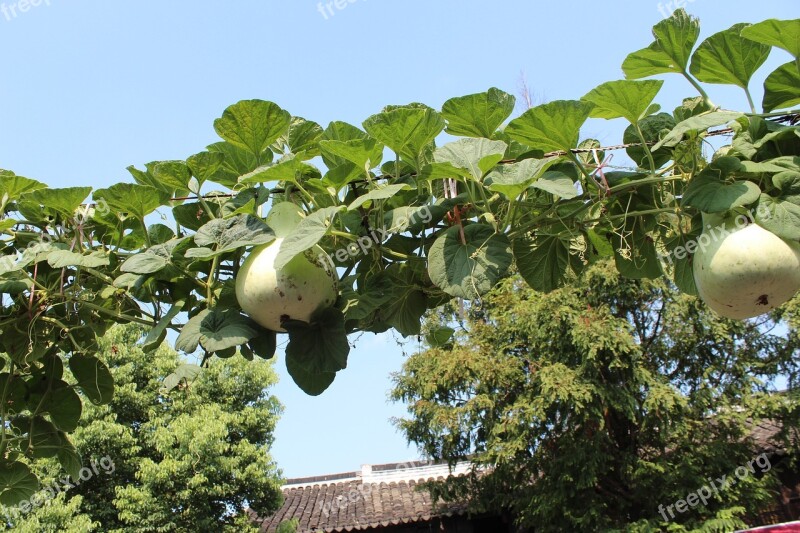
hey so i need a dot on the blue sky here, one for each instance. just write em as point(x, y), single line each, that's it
point(88, 87)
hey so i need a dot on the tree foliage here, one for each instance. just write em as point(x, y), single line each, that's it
point(187, 461)
point(585, 408)
point(409, 224)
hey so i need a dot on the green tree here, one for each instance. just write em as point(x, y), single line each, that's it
point(188, 459)
point(588, 407)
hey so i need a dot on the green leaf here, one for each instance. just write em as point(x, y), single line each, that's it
point(15, 186)
point(652, 127)
point(264, 344)
point(159, 233)
point(189, 338)
point(131, 199)
point(172, 175)
point(93, 378)
point(545, 263)
point(291, 169)
point(380, 193)
point(303, 137)
point(229, 234)
point(557, 182)
point(406, 130)
point(65, 258)
point(478, 115)
point(472, 269)
point(551, 127)
point(782, 87)
point(144, 263)
point(781, 217)
point(204, 165)
point(252, 125)
point(640, 259)
point(477, 156)
point(306, 234)
point(781, 33)
point(440, 336)
point(65, 407)
point(727, 57)
point(321, 345)
point(697, 123)
point(624, 98)
point(43, 439)
point(193, 215)
point(670, 52)
point(312, 383)
point(156, 335)
point(184, 373)
point(68, 457)
point(17, 483)
point(710, 193)
point(220, 330)
point(237, 162)
point(364, 153)
point(511, 180)
point(63, 201)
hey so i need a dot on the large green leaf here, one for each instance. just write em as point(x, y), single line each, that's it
point(312, 383)
point(156, 335)
point(469, 270)
point(780, 216)
point(204, 165)
point(303, 137)
point(653, 127)
point(639, 260)
point(237, 162)
point(220, 236)
point(43, 438)
point(478, 115)
point(132, 199)
point(551, 127)
point(144, 263)
point(670, 52)
point(172, 175)
point(711, 192)
point(406, 130)
point(782, 87)
point(63, 201)
point(220, 330)
point(17, 483)
point(306, 234)
point(65, 258)
point(511, 180)
point(557, 182)
point(727, 57)
point(291, 169)
point(545, 263)
point(15, 186)
point(623, 98)
point(477, 156)
point(321, 345)
point(93, 378)
point(252, 125)
point(781, 33)
point(380, 193)
point(697, 123)
point(364, 153)
point(64, 406)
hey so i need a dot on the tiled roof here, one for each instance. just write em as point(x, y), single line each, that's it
point(358, 503)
